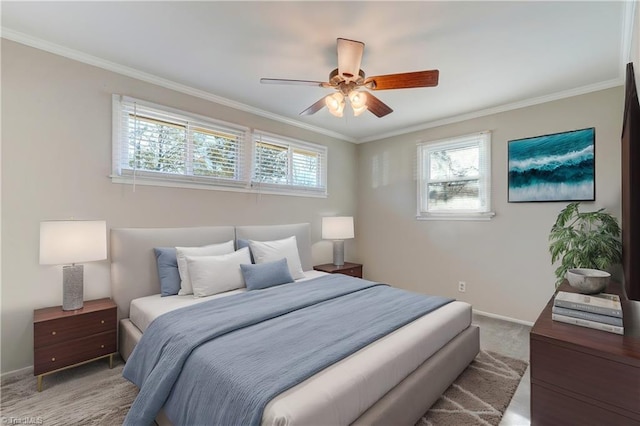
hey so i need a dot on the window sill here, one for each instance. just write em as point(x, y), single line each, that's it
point(457, 216)
point(145, 181)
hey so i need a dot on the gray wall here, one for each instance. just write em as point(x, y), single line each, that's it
point(505, 261)
point(56, 158)
point(635, 44)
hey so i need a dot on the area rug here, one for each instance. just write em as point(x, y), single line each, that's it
point(94, 395)
point(91, 394)
point(480, 395)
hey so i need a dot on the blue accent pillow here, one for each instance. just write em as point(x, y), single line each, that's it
point(168, 270)
point(268, 274)
point(242, 244)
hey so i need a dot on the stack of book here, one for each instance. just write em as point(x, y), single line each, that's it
point(601, 311)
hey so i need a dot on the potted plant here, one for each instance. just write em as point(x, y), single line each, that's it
point(584, 240)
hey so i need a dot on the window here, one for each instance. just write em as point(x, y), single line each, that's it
point(454, 178)
point(286, 164)
point(153, 143)
point(156, 145)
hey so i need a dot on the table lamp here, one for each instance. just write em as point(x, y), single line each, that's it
point(338, 229)
point(68, 242)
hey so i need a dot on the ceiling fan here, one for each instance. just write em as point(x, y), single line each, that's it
point(348, 78)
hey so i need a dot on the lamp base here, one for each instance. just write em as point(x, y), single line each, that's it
point(338, 252)
point(72, 287)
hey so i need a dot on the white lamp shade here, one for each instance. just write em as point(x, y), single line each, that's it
point(358, 102)
point(337, 228)
point(72, 241)
point(335, 103)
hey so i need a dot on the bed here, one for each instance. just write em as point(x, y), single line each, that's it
point(394, 380)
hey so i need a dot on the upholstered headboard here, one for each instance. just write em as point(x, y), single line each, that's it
point(277, 232)
point(134, 271)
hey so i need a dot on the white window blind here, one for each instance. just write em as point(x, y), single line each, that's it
point(454, 178)
point(158, 144)
point(287, 165)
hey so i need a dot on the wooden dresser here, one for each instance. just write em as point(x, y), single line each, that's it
point(581, 376)
point(65, 339)
point(353, 269)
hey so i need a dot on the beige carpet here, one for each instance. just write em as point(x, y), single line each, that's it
point(94, 395)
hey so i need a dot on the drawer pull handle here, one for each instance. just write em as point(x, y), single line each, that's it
point(101, 346)
point(53, 333)
point(53, 359)
point(102, 322)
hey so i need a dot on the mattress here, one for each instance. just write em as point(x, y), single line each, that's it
point(341, 393)
point(145, 309)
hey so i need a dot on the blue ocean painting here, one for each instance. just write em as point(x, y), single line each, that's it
point(558, 167)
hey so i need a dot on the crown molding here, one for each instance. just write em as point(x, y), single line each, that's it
point(76, 55)
point(498, 109)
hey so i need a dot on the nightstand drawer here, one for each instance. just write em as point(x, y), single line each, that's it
point(73, 327)
point(551, 406)
point(53, 357)
point(354, 272)
point(612, 383)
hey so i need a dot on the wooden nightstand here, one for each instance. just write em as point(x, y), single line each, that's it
point(582, 376)
point(353, 269)
point(65, 339)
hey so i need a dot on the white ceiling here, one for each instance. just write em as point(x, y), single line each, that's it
point(492, 56)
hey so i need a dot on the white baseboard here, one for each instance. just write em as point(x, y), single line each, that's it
point(10, 374)
point(501, 317)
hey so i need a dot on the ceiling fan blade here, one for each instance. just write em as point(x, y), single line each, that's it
point(406, 80)
point(314, 108)
point(377, 107)
point(294, 82)
point(349, 58)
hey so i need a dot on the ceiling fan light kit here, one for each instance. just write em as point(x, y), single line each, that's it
point(348, 77)
point(358, 102)
point(335, 104)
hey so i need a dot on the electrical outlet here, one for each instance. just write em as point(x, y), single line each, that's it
point(462, 286)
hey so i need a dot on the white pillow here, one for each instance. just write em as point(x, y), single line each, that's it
point(183, 252)
point(269, 251)
point(217, 274)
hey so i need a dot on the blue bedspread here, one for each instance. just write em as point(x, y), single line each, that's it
point(220, 362)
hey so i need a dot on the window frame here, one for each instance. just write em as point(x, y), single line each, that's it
point(482, 140)
point(259, 136)
point(243, 180)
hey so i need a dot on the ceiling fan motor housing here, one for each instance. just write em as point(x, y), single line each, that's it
point(335, 78)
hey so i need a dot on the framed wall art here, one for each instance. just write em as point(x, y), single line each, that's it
point(556, 167)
